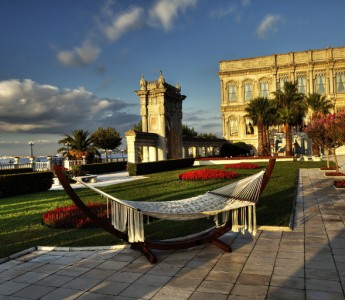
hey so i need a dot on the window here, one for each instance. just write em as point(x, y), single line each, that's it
point(320, 84)
point(281, 83)
point(264, 89)
point(232, 92)
point(340, 82)
point(301, 84)
point(248, 91)
point(233, 126)
point(249, 125)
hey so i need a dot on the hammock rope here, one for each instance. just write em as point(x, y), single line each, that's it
point(238, 197)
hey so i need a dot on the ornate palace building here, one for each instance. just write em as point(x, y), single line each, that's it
point(316, 71)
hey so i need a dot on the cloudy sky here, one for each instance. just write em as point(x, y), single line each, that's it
point(67, 65)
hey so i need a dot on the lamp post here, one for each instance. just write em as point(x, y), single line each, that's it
point(31, 143)
point(68, 144)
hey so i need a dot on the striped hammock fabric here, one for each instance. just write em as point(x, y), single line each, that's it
point(239, 198)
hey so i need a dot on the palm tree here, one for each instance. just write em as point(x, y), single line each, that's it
point(259, 110)
point(319, 106)
point(78, 141)
point(291, 110)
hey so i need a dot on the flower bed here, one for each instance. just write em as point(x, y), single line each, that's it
point(207, 174)
point(72, 217)
point(241, 157)
point(334, 174)
point(242, 166)
point(339, 183)
point(327, 169)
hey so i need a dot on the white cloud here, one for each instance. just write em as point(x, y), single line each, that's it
point(268, 25)
point(164, 12)
point(27, 106)
point(121, 24)
point(79, 56)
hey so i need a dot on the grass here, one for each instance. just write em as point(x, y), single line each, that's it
point(20, 216)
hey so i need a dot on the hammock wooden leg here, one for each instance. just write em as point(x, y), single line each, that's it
point(225, 247)
point(146, 251)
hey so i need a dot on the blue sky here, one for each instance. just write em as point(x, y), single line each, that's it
point(67, 65)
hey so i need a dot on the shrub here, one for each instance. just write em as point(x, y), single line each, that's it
point(159, 166)
point(25, 183)
point(100, 168)
point(15, 171)
point(339, 183)
point(242, 166)
point(236, 149)
point(72, 217)
point(207, 174)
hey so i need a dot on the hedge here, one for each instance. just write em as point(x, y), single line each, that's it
point(100, 168)
point(15, 171)
point(159, 166)
point(25, 183)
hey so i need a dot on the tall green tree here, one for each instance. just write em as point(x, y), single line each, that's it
point(260, 111)
point(319, 106)
point(106, 139)
point(78, 144)
point(188, 131)
point(291, 110)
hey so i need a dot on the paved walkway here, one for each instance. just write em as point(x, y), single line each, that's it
point(307, 263)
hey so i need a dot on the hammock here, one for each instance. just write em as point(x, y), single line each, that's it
point(127, 216)
point(238, 198)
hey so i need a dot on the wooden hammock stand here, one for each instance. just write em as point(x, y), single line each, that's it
point(210, 236)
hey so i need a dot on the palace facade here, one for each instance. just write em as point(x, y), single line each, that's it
point(315, 71)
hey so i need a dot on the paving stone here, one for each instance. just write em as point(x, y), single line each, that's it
point(317, 295)
point(207, 296)
point(62, 293)
point(10, 287)
point(254, 279)
point(137, 268)
point(34, 291)
point(287, 282)
point(30, 277)
point(82, 284)
point(125, 277)
point(323, 285)
point(49, 268)
point(153, 280)
point(279, 293)
point(140, 291)
point(112, 265)
point(97, 274)
point(182, 283)
point(214, 287)
point(98, 296)
point(72, 271)
point(171, 293)
point(222, 276)
point(109, 287)
point(54, 280)
point(249, 290)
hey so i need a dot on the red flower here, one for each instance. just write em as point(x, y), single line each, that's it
point(334, 174)
point(72, 217)
point(207, 175)
point(339, 183)
point(242, 166)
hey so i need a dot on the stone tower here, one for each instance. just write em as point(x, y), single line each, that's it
point(161, 113)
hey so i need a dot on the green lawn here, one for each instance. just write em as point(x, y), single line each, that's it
point(20, 216)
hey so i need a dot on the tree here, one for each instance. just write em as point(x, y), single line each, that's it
point(260, 111)
point(106, 139)
point(78, 144)
point(319, 106)
point(291, 110)
point(188, 132)
point(138, 126)
point(328, 131)
point(207, 136)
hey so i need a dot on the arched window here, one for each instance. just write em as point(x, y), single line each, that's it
point(248, 91)
point(302, 84)
point(264, 89)
point(249, 125)
point(282, 80)
point(233, 126)
point(340, 82)
point(320, 84)
point(232, 94)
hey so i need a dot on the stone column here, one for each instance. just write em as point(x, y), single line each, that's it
point(49, 163)
point(194, 151)
point(152, 153)
point(132, 149)
point(146, 154)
